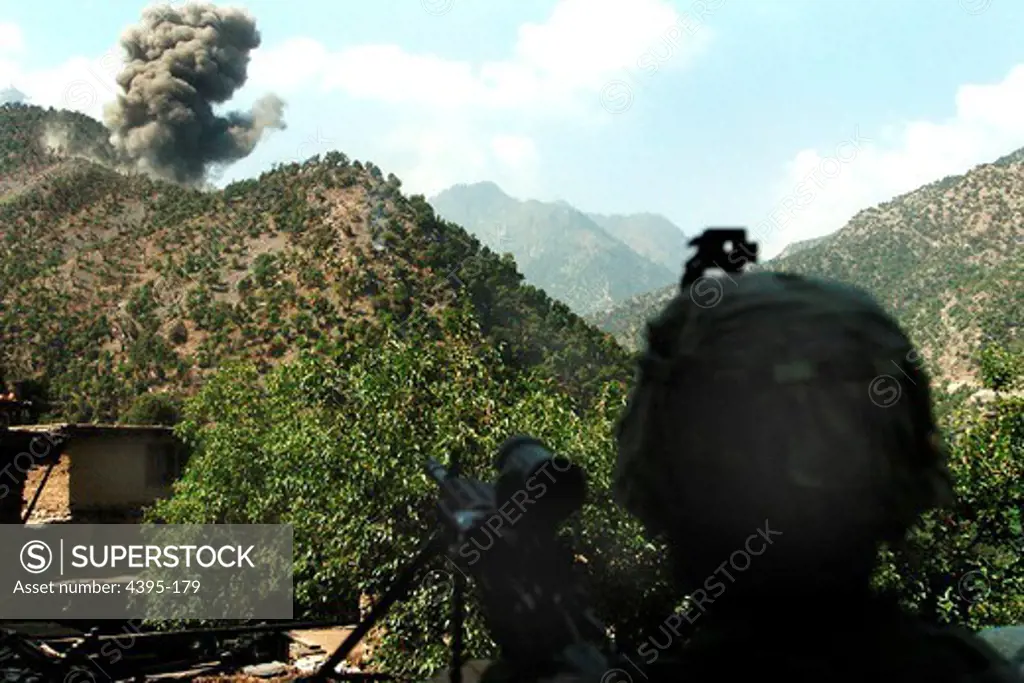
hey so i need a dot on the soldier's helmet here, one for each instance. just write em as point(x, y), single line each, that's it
point(769, 397)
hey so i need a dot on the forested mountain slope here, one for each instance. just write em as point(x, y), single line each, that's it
point(112, 285)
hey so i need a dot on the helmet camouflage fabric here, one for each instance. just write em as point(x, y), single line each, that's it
point(791, 397)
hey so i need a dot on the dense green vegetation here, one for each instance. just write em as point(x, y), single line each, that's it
point(966, 565)
point(335, 443)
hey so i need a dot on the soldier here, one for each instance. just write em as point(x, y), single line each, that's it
point(775, 440)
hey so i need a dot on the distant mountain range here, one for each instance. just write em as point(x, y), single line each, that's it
point(588, 261)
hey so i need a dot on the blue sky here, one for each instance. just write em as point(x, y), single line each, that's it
point(784, 115)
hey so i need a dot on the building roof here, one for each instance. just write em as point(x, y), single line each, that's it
point(8, 401)
point(87, 429)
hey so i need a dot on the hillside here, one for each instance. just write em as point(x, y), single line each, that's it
point(797, 247)
point(654, 237)
point(558, 248)
point(945, 259)
point(112, 285)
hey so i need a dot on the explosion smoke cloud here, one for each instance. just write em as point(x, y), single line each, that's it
point(180, 62)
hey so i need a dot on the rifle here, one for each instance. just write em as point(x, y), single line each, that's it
point(505, 535)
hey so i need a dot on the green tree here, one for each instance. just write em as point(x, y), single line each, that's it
point(966, 565)
point(334, 444)
point(999, 367)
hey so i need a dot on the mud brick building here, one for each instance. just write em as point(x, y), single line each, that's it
point(85, 472)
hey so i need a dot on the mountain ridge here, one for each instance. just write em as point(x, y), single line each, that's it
point(649, 234)
point(559, 247)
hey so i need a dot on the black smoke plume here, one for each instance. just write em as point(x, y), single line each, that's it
point(180, 62)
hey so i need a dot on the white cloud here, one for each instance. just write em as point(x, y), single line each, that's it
point(79, 84)
point(11, 40)
point(430, 156)
point(293, 66)
point(572, 55)
point(819, 195)
point(585, 42)
point(556, 70)
point(514, 150)
point(11, 44)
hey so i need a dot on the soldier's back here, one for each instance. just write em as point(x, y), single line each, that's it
point(871, 645)
point(874, 645)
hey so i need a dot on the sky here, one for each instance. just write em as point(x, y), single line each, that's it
point(786, 116)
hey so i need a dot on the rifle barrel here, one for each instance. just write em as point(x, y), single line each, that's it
point(436, 471)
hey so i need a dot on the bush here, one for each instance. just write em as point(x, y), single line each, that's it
point(153, 409)
point(966, 565)
point(999, 367)
point(178, 334)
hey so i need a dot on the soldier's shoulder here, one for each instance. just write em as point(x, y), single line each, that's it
point(1008, 641)
point(979, 656)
